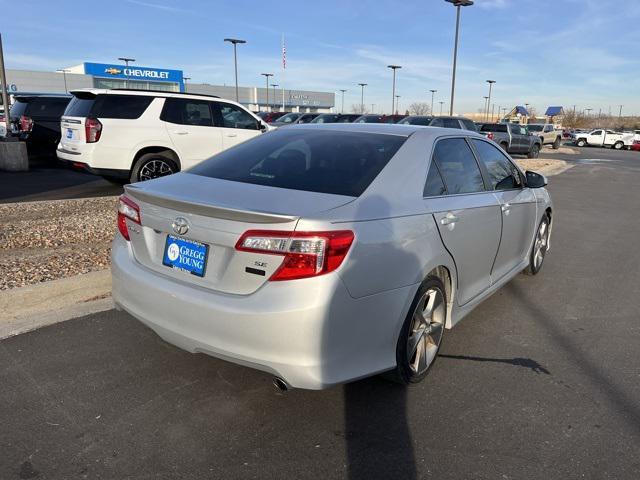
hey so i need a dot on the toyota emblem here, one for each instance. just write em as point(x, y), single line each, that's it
point(180, 225)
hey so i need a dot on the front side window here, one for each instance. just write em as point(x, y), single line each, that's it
point(458, 166)
point(235, 117)
point(502, 173)
point(518, 130)
point(185, 111)
point(597, 132)
point(494, 127)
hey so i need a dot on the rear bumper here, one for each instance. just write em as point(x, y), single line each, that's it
point(71, 160)
point(311, 332)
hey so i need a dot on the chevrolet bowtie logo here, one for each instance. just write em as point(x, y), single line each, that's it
point(113, 71)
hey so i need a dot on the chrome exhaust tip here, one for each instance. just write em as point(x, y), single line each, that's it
point(280, 384)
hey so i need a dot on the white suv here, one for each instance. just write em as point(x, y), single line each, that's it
point(134, 135)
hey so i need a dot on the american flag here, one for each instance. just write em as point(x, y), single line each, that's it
point(284, 54)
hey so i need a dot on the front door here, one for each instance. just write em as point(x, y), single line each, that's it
point(468, 216)
point(517, 207)
point(236, 124)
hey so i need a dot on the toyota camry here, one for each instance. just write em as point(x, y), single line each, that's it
point(327, 253)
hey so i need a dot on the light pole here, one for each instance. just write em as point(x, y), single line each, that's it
point(64, 75)
point(440, 107)
point(266, 76)
point(432, 93)
point(274, 85)
point(235, 42)
point(620, 113)
point(373, 107)
point(362, 85)
point(490, 82)
point(126, 61)
point(457, 4)
point(184, 79)
point(342, 90)
point(485, 108)
point(393, 89)
point(397, 103)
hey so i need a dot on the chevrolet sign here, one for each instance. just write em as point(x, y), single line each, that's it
point(133, 72)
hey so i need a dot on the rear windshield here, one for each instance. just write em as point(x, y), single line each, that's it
point(47, 107)
point(494, 127)
point(340, 163)
point(108, 106)
point(424, 121)
point(535, 128)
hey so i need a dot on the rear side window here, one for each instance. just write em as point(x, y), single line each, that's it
point(434, 186)
point(494, 127)
point(126, 107)
point(451, 123)
point(469, 125)
point(79, 106)
point(458, 166)
point(185, 111)
point(502, 173)
point(340, 163)
point(47, 107)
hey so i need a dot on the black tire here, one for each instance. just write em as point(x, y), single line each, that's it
point(581, 142)
point(534, 151)
point(504, 146)
point(535, 266)
point(618, 145)
point(556, 143)
point(152, 165)
point(404, 372)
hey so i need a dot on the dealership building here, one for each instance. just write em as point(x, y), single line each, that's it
point(102, 75)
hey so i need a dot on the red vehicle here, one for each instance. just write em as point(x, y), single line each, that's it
point(635, 146)
point(270, 116)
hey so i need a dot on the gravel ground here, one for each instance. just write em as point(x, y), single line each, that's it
point(42, 241)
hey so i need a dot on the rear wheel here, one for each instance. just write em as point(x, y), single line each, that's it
point(618, 145)
point(539, 249)
point(421, 334)
point(556, 143)
point(534, 152)
point(504, 146)
point(152, 165)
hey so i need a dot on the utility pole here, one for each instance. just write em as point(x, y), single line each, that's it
point(457, 4)
point(266, 76)
point(620, 113)
point(342, 90)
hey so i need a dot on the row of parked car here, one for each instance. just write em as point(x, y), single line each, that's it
point(128, 136)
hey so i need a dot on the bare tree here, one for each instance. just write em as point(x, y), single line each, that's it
point(357, 108)
point(419, 108)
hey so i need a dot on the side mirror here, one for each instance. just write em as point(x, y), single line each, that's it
point(261, 126)
point(535, 180)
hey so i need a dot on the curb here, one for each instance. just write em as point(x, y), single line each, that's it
point(27, 308)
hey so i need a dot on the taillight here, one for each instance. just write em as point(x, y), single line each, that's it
point(490, 136)
point(26, 123)
point(306, 254)
point(127, 208)
point(92, 130)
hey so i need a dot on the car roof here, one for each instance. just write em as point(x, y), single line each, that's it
point(385, 128)
point(150, 93)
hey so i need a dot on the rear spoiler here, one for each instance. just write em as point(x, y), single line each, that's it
point(214, 211)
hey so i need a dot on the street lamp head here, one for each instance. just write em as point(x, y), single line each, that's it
point(460, 3)
point(234, 40)
point(491, 81)
point(363, 84)
point(275, 85)
point(127, 60)
point(393, 67)
point(267, 75)
point(433, 91)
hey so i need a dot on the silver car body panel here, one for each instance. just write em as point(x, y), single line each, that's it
point(319, 331)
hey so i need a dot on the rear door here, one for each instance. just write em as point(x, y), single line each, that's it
point(189, 123)
point(517, 205)
point(236, 124)
point(467, 215)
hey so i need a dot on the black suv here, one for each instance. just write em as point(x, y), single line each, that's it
point(36, 120)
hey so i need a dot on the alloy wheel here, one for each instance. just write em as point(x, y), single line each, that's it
point(540, 246)
point(426, 331)
point(154, 169)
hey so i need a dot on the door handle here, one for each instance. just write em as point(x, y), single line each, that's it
point(449, 219)
point(181, 132)
point(506, 208)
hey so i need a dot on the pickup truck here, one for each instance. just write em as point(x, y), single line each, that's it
point(604, 138)
point(547, 133)
point(513, 138)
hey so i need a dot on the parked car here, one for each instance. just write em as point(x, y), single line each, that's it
point(327, 253)
point(35, 119)
point(635, 145)
point(270, 116)
point(391, 118)
point(513, 138)
point(294, 118)
point(369, 118)
point(134, 135)
point(547, 133)
point(335, 118)
point(446, 122)
point(604, 138)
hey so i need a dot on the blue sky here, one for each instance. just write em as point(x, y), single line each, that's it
point(541, 52)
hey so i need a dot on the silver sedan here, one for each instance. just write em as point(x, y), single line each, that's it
point(328, 253)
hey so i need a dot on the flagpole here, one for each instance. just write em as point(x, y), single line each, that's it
point(284, 67)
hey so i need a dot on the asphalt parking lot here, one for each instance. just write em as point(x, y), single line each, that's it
point(541, 381)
